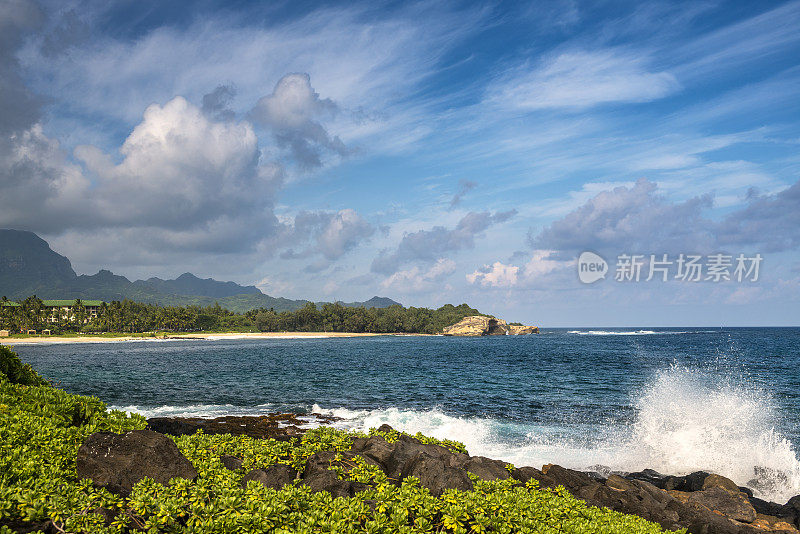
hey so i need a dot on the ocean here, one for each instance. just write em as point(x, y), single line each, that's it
point(675, 400)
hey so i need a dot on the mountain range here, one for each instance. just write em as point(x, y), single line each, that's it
point(28, 266)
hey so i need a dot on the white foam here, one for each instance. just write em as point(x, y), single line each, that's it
point(621, 332)
point(686, 421)
point(207, 411)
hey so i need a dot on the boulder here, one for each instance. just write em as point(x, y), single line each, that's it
point(486, 468)
point(732, 505)
point(717, 481)
point(477, 325)
point(231, 462)
point(434, 474)
point(572, 480)
point(407, 448)
point(118, 461)
point(374, 447)
point(691, 482)
point(649, 475)
point(328, 481)
point(524, 474)
point(522, 330)
point(275, 476)
point(280, 426)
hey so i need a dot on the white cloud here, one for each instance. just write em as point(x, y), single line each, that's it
point(292, 112)
point(417, 280)
point(582, 79)
point(496, 275)
point(501, 275)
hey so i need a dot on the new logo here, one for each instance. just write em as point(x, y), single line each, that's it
point(591, 267)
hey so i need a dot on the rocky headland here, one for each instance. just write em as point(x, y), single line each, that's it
point(482, 325)
point(701, 502)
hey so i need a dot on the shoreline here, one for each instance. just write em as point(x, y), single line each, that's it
point(57, 340)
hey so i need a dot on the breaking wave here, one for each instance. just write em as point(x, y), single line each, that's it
point(685, 421)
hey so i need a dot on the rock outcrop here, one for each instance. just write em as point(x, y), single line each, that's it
point(118, 461)
point(280, 426)
point(705, 504)
point(481, 325)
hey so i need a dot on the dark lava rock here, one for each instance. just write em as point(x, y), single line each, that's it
point(231, 462)
point(691, 482)
point(275, 476)
point(118, 461)
point(434, 474)
point(280, 426)
point(524, 474)
point(407, 449)
point(375, 447)
point(328, 481)
point(732, 505)
point(568, 478)
point(649, 475)
point(486, 468)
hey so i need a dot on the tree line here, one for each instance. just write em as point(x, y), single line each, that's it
point(127, 316)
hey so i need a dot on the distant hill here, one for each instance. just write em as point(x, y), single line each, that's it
point(28, 266)
point(374, 302)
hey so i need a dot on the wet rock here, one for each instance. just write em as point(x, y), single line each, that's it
point(649, 475)
point(486, 468)
point(118, 461)
point(732, 505)
point(691, 482)
point(717, 481)
point(275, 476)
point(231, 462)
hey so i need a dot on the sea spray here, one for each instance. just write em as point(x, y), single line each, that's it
point(685, 420)
point(689, 420)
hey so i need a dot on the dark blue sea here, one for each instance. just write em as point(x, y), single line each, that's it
point(675, 400)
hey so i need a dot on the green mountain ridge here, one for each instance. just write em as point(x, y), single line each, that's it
point(28, 266)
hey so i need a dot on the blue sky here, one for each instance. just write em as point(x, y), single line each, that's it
point(433, 153)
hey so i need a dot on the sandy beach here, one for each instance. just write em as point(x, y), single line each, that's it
point(200, 335)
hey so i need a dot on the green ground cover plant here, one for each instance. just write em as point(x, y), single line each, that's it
point(42, 427)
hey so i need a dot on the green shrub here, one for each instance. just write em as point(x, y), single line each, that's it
point(16, 372)
point(41, 429)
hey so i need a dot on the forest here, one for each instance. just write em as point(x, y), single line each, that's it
point(133, 317)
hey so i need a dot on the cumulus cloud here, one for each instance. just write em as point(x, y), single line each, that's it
point(417, 280)
point(769, 221)
point(638, 219)
point(496, 275)
point(634, 218)
point(184, 179)
point(429, 245)
point(500, 275)
point(292, 112)
point(581, 79)
point(330, 234)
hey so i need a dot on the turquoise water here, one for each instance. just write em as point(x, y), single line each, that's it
point(675, 400)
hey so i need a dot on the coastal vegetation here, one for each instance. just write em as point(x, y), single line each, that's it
point(133, 317)
point(42, 428)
